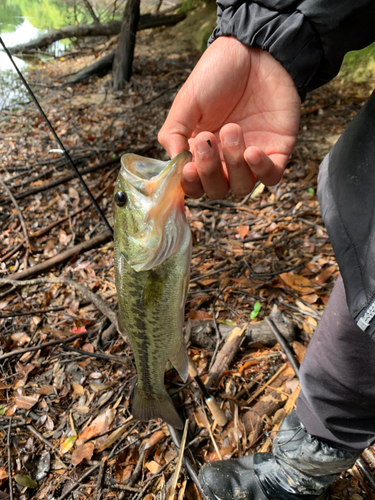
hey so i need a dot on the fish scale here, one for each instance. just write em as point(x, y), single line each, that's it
point(152, 264)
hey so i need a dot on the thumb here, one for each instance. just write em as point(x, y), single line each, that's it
point(181, 121)
point(173, 142)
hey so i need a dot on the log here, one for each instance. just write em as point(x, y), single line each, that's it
point(123, 62)
point(112, 28)
point(99, 68)
point(225, 356)
point(202, 333)
point(268, 405)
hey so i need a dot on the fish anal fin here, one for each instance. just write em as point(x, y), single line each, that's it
point(180, 361)
point(149, 406)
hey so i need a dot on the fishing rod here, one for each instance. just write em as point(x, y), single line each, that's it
point(58, 140)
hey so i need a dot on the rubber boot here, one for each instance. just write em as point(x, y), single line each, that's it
point(300, 467)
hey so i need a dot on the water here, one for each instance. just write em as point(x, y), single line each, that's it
point(20, 22)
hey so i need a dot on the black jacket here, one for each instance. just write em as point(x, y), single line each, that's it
point(310, 38)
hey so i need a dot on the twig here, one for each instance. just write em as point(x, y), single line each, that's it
point(191, 470)
point(284, 345)
point(100, 239)
point(137, 469)
point(97, 355)
point(47, 344)
point(100, 303)
point(75, 485)
point(12, 252)
point(100, 479)
point(20, 216)
point(10, 461)
point(172, 488)
point(39, 436)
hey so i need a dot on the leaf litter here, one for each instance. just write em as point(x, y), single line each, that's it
point(66, 375)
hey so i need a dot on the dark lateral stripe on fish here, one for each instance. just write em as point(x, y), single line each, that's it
point(142, 340)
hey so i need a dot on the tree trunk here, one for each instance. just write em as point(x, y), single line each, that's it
point(122, 65)
point(112, 28)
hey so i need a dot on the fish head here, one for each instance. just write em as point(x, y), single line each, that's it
point(149, 209)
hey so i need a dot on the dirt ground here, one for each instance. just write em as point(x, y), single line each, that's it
point(66, 375)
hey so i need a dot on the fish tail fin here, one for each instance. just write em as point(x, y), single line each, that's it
point(180, 361)
point(149, 406)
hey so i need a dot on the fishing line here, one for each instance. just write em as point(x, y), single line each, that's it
point(61, 145)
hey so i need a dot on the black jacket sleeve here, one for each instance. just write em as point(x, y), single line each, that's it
point(308, 37)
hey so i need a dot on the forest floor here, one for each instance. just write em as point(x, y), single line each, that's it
point(66, 376)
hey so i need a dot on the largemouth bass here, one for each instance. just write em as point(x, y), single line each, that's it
point(152, 268)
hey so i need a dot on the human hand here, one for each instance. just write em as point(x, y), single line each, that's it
point(238, 113)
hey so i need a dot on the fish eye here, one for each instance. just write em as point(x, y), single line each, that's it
point(120, 198)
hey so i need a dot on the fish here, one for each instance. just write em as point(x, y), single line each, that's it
point(152, 255)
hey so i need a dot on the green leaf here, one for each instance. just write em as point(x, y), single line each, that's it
point(25, 480)
point(113, 156)
point(255, 311)
point(3, 410)
point(311, 191)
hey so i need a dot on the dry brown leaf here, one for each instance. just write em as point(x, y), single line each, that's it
point(243, 230)
point(104, 442)
point(45, 389)
point(153, 467)
point(26, 402)
point(297, 282)
point(20, 337)
point(201, 315)
point(78, 389)
point(3, 473)
point(310, 299)
point(82, 452)
point(324, 276)
point(299, 350)
point(98, 426)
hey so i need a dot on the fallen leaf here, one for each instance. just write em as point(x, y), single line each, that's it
point(25, 481)
point(324, 276)
point(98, 426)
point(82, 452)
point(3, 473)
point(26, 402)
point(201, 315)
point(67, 445)
point(243, 230)
point(297, 282)
point(153, 467)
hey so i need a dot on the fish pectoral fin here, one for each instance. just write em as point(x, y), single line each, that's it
point(180, 361)
point(148, 406)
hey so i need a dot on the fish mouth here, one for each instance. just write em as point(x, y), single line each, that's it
point(150, 169)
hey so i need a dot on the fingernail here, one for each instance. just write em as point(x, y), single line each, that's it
point(203, 147)
point(231, 137)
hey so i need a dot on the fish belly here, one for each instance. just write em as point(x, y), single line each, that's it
point(151, 314)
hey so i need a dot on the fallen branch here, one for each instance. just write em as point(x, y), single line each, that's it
point(100, 303)
point(100, 239)
point(203, 334)
point(42, 346)
point(146, 21)
point(69, 177)
point(225, 356)
point(20, 216)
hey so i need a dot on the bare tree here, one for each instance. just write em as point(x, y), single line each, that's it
point(122, 64)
